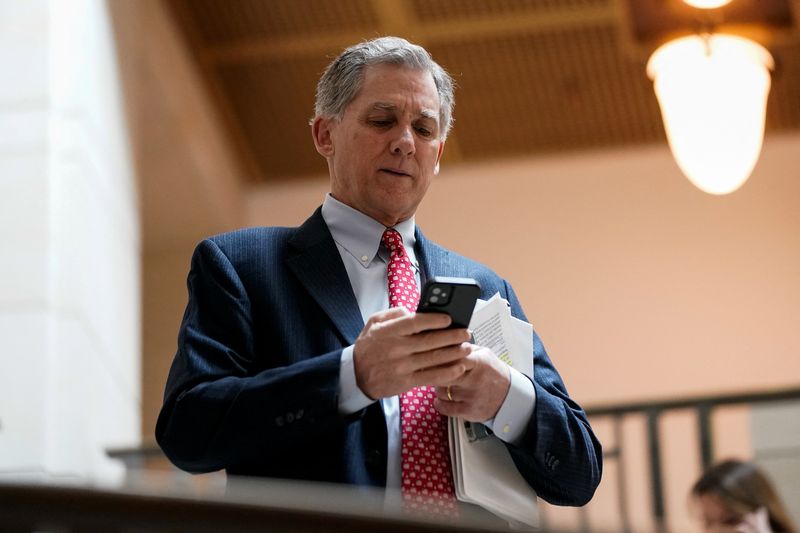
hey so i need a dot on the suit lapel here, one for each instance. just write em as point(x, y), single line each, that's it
point(318, 266)
point(433, 259)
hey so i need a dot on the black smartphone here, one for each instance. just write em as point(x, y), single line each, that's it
point(453, 296)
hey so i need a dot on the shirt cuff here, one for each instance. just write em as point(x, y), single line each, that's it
point(516, 411)
point(351, 398)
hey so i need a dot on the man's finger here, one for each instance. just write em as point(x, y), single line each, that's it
point(388, 314)
point(390, 321)
point(448, 392)
point(448, 408)
point(406, 323)
point(426, 321)
point(442, 350)
point(439, 375)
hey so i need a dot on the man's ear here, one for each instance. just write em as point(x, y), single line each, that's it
point(438, 158)
point(321, 132)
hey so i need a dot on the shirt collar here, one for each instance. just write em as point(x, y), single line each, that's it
point(359, 234)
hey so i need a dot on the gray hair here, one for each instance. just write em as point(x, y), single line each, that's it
point(341, 81)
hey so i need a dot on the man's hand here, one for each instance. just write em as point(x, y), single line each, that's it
point(398, 350)
point(479, 392)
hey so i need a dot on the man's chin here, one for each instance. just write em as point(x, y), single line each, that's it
point(390, 213)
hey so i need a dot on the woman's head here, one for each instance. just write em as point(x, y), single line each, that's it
point(729, 491)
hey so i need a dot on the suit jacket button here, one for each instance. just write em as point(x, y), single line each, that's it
point(289, 417)
point(299, 414)
point(279, 421)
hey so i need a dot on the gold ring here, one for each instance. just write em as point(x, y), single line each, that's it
point(449, 396)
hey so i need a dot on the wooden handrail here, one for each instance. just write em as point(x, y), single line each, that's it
point(273, 507)
point(690, 402)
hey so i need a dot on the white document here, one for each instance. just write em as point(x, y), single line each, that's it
point(510, 338)
point(484, 472)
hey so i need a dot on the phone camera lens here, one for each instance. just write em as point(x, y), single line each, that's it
point(436, 290)
point(433, 299)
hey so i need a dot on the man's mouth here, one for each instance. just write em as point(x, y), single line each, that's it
point(395, 171)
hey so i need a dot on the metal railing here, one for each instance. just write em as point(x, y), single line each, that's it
point(703, 406)
point(135, 459)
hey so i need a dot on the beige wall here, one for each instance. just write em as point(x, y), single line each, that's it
point(188, 181)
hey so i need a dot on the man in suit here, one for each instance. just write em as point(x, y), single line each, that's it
point(291, 363)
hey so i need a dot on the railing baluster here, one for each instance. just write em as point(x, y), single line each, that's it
point(656, 481)
point(622, 486)
point(705, 434)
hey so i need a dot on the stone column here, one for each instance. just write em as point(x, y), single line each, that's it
point(69, 245)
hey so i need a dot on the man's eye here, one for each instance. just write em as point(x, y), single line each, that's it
point(380, 123)
point(425, 132)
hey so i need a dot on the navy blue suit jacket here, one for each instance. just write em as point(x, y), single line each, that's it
point(253, 387)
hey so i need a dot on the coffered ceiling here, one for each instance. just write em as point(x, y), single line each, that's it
point(533, 76)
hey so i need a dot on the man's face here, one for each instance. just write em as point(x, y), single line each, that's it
point(385, 150)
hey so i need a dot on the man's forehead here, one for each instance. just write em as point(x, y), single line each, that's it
point(380, 82)
point(389, 106)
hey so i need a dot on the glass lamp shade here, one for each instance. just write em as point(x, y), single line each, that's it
point(713, 91)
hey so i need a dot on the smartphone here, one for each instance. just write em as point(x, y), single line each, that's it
point(453, 296)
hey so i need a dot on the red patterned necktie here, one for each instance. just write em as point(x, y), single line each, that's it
point(427, 477)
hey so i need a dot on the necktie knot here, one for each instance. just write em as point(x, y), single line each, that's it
point(393, 241)
point(403, 290)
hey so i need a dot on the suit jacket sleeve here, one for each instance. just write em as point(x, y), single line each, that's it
point(228, 404)
point(558, 455)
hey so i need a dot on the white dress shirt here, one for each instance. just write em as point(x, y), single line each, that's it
point(358, 239)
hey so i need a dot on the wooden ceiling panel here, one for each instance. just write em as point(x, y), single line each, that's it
point(219, 22)
point(271, 102)
point(783, 107)
point(657, 20)
point(534, 76)
point(525, 94)
point(431, 10)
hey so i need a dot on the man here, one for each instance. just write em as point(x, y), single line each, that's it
point(292, 364)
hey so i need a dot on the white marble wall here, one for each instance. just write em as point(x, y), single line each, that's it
point(69, 245)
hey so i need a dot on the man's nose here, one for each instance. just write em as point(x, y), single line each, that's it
point(403, 143)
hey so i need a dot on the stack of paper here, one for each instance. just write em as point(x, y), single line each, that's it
point(484, 472)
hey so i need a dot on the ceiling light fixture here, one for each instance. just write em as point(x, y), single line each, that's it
point(712, 89)
point(707, 4)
